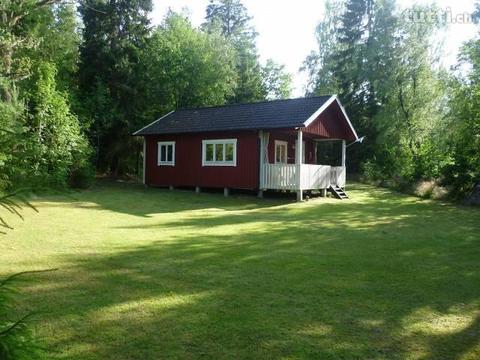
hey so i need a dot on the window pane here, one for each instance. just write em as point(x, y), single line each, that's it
point(163, 154)
point(280, 153)
point(229, 152)
point(218, 152)
point(170, 153)
point(209, 152)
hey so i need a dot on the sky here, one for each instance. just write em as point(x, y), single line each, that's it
point(287, 28)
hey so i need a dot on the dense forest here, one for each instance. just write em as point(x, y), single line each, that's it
point(421, 120)
point(77, 78)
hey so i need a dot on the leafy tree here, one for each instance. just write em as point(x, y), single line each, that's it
point(114, 35)
point(382, 67)
point(231, 18)
point(27, 28)
point(411, 121)
point(17, 21)
point(355, 42)
point(320, 64)
point(186, 67)
point(11, 132)
point(464, 170)
point(55, 142)
point(59, 40)
point(276, 81)
point(366, 40)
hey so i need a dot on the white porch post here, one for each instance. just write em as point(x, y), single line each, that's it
point(298, 162)
point(261, 161)
point(144, 156)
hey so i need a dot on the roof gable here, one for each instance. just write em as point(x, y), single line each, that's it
point(331, 123)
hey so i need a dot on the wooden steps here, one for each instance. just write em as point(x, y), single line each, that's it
point(338, 192)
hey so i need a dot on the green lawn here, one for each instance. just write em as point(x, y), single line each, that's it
point(150, 274)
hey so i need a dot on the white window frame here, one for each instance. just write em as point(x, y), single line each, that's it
point(285, 144)
point(166, 162)
point(214, 142)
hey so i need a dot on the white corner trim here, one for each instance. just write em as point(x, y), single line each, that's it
point(324, 107)
point(153, 122)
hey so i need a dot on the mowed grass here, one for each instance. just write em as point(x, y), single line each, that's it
point(153, 274)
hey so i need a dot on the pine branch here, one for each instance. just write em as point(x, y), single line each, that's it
point(8, 203)
point(5, 204)
point(27, 203)
point(15, 324)
point(4, 224)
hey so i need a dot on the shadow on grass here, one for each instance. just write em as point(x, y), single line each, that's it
point(322, 280)
point(135, 199)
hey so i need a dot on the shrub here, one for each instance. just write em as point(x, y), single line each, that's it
point(82, 177)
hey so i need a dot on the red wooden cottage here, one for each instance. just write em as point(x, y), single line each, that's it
point(257, 146)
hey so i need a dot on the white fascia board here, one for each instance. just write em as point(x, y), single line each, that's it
point(153, 122)
point(346, 117)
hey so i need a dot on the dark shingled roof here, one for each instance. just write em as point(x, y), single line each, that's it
point(289, 113)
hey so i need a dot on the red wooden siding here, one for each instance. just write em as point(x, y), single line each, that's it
point(331, 124)
point(188, 169)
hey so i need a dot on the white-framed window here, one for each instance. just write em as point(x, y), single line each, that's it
point(166, 153)
point(219, 152)
point(281, 152)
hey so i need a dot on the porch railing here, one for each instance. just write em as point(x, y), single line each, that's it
point(285, 176)
point(280, 176)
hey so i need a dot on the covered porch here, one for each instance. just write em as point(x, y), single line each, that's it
point(301, 171)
